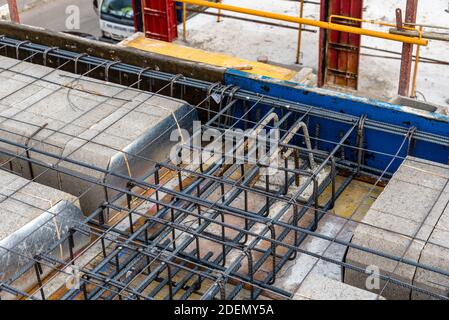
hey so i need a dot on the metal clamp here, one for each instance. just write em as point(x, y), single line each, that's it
point(108, 66)
point(232, 93)
point(172, 83)
point(223, 91)
point(411, 132)
point(76, 60)
point(18, 47)
point(139, 76)
point(45, 53)
point(209, 94)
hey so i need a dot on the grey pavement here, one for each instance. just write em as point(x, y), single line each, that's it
point(51, 14)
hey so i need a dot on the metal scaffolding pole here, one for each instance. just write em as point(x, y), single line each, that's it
point(407, 51)
point(13, 11)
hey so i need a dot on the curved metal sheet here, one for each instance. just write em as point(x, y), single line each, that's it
point(38, 237)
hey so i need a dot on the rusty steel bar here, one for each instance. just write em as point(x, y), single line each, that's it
point(13, 11)
point(407, 51)
point(415, 70)
point(219, 12)
point(184, 22)
point(301, 14)
point(425, 35)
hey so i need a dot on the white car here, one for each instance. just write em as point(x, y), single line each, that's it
point(116, 18)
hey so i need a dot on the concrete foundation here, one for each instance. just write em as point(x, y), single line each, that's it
point(408, 220)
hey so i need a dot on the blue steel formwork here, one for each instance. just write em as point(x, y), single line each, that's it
point(347, 104)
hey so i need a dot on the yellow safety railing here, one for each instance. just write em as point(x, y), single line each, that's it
point(309, 22)
point(386, 24)
point(379, 23)
point(298, 51)
point(415, 71)
point(329, 25)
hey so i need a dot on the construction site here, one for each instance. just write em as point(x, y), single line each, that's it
point(226, 150)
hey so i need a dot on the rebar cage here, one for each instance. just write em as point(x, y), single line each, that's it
point(219, 227)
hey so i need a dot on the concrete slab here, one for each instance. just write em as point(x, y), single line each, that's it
point(294, 272)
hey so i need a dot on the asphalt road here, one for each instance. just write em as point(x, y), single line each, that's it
point(52, 15)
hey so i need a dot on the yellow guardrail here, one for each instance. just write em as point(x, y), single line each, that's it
point(379, 23)
point(308, 22)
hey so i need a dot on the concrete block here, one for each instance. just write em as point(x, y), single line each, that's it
point(317, 287)
point(298, 269)
point(437, 257)
point(91, 121)
point(387, 242)
point(406, 200)
point(430, 168)
point(419, 230)
point(409, 219)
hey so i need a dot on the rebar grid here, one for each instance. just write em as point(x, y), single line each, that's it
point(167, 237)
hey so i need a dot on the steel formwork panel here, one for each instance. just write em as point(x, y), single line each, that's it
point(159, 19)
point(339, 52)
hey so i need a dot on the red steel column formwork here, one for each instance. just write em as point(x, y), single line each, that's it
point(339, 52)
point(407, 51)
point(159, 19)
point(13, 11)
